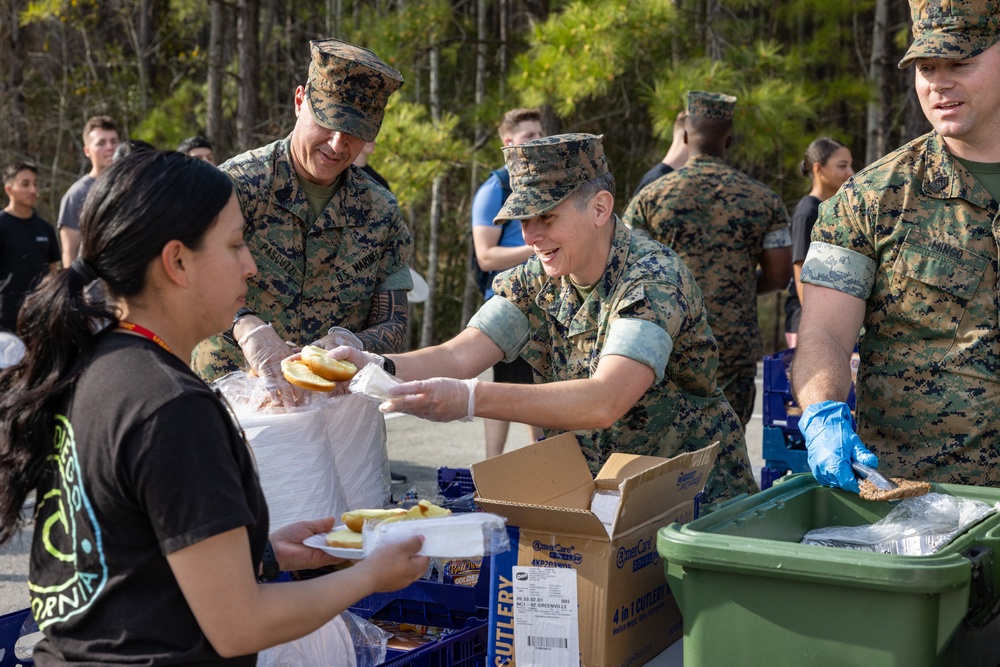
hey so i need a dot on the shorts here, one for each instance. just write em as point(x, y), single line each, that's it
point(793, 315)
point(516, 372)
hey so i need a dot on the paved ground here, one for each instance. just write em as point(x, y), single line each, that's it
point(417, 449)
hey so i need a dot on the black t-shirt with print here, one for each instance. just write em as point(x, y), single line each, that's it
point(146, 461)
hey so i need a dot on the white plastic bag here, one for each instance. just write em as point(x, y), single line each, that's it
point(347, 641)
point(11, 349)
point(296, 465)
point(357, 436)
point(314, 461)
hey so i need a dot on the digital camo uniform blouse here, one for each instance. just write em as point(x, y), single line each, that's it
point(311, 274)
point(718, 220)
point(647, 307)
point(915, 236)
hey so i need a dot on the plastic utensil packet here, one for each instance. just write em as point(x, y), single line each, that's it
point(915, 527)
point(456, 536)
point(373, 382)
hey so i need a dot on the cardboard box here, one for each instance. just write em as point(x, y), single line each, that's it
point(625, 612)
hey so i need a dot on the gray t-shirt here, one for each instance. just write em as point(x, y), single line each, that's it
point(72, 203)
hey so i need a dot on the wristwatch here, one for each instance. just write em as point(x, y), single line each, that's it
point(228, 335)
point(388, 365)
point(269, 570)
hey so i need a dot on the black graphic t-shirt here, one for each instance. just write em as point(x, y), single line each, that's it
point(146, 461)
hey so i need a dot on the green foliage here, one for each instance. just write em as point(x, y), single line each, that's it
point(174, 118)
point(38, 11)
point(412, 149)
point(188, 11)
point(402, 38)
point(580, 53)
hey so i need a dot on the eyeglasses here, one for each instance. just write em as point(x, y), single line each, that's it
point(236, 424)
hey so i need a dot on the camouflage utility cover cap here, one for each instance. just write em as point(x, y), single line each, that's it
point(544, 172)
point(348, 88)
point(710, 105)
point(952, 29)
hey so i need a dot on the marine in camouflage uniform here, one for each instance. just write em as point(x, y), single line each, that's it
point(638, 318)
point(723, 224)
point(315, 271)
point(914, 237)
point(565, 333)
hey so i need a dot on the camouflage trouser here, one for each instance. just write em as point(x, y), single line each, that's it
point(737, 383)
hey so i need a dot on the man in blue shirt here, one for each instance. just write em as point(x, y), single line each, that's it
point(501, 247)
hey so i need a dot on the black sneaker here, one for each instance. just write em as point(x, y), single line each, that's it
point(396, 478)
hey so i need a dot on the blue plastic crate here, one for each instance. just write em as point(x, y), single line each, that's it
point(782, 453)
point(455, 482)
point(10, 631)
point(780, 409)
point(465, 648)
point(427, 602)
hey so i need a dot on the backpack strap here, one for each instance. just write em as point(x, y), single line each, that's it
point(504, 177)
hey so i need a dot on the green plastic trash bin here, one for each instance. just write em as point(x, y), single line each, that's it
point(751, 594)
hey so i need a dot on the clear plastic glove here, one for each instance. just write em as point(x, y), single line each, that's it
point(348, 353)
point(264, 350)
point(832, 444)
point(338, 336)
point(436, 399)
point(356, 356)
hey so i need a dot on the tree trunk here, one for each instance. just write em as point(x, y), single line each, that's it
point(247, 22)
point(875, 146)
point(12, 86)
point(504, 38)
point(145, 32)
point(427, 331)
point(470, 295)
point(216, 73)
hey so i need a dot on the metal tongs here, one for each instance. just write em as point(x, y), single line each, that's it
point(874, 476)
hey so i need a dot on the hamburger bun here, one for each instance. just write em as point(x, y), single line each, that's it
point(299, 374)
point(327, 367)
point(355, 519)
point(344, 538)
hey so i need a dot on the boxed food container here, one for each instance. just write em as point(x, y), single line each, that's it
point(751, 594)
point(617, 605)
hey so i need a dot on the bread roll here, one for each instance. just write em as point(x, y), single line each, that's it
point(299, 374)
point(355, 519)
point(344, 539)
point(327, 367)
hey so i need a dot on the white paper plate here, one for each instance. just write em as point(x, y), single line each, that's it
point(318, 541)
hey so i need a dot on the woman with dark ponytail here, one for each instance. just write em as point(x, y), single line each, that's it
point(151, 531)
point(827, 164)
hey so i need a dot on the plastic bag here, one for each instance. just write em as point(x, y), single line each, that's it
point(346, 640)
point(915, 527)
point(373, 382)
point(370, 641)
point(11, 349)
point(317, 460)
point(357, 433)
point(456, 536)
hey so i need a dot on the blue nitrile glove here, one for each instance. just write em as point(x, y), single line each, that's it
point(832, 444)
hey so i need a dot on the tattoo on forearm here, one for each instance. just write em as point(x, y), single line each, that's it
point(385, 328)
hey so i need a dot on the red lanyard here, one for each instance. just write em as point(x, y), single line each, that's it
point(143, 331)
